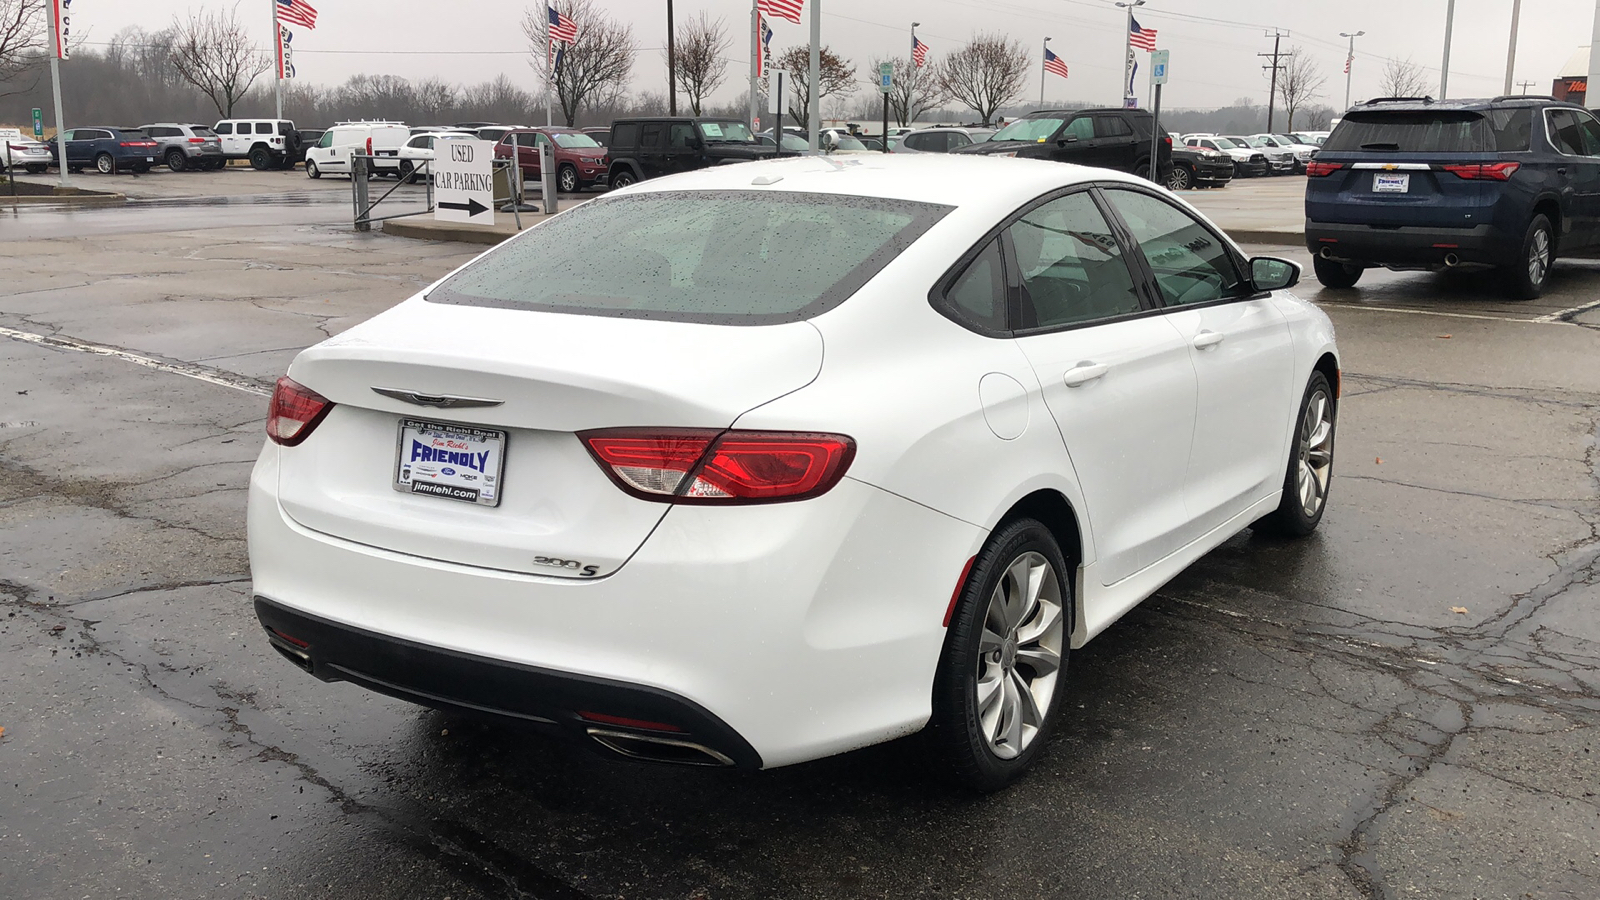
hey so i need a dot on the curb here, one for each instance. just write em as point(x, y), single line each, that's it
point(62, 199)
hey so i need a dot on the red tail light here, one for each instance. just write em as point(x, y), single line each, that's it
point(1316, 169)
point(369, 146)
point(707, 466)
point(295, 412)
point(1167, 139)
point(197, 140)
point(1485, 171)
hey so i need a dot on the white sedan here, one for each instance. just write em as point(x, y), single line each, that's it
point(766, 462)
point(17, 151)
point(420, 148)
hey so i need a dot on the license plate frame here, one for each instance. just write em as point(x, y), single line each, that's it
point(1391, 182)
point(482, 482)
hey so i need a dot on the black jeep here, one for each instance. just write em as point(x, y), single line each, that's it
point(1109, 138)
point(652, 147)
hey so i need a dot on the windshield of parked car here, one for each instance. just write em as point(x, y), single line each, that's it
point(1028, 130)
point(1286, 139)
point(726, 132)
point(1257, 143)
point(1500, 130)
point(573, 140)
point(790, 142)
point(1223, 143)
point(717, 257)
point(846, 142)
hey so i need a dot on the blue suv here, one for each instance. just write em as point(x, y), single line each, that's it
point(109, 150)
point(1418, 184)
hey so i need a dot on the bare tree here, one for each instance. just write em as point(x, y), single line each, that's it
point(594, 69)
point(836, 75)
point(212, 52)
point(986, 74)
point(702, 66)
point(1403, 78)
point(912, 91)
point(22, 41)
point(1300, 82)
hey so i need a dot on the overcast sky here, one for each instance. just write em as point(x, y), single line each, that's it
point(1213, 42)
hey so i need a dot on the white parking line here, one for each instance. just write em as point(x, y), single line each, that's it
point(1552, 319)
point(1572, 311)
point(187, 370)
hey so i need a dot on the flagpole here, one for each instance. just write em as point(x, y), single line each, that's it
point(1127, 51)
point(549, 64)
point(277, 37)
point(755, 66)
point(911, 79)
point(1349, 62)
point(814, 108)
point(1042, 73)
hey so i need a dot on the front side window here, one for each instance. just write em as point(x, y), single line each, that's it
point(1590, 129)
point(1072, 268)
point(717, 257)
point(1081, 128)
point(1191, 265)
point(224, 128)
point(327, 140)
point(682, 136)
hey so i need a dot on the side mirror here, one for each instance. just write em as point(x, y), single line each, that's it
point(1067, 139)
point(1269, 273)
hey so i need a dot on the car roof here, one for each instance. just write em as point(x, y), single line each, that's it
point(1464, 104)
point(997, 184)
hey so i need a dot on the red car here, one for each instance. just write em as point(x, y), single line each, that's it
point(580, 161)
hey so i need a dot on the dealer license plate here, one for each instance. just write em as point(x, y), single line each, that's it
point(457, 462)
point(1385, 183)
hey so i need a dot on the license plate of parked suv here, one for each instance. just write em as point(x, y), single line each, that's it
point(1390, 184)
point(457, 462)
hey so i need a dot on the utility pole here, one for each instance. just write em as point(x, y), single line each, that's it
point(1043, 73)
point(1349, 62)
point(1524, 85)
point(1276, 54)
point(1511, 52)
point(1594, 57)
point(672, 67)
point(1444, 68)
point(1127, 53)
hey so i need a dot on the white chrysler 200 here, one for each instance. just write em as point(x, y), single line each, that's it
point(767, 462)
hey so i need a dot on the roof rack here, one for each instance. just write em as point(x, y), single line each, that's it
point(1524, 97)
point(1423, 99)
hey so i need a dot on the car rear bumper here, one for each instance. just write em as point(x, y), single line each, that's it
point(801, 629)
point(1412, 246)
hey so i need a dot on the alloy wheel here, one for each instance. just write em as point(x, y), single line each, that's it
point(1538, 256)
point(1178, 179)
point(1019, 654)
point(1315, 449)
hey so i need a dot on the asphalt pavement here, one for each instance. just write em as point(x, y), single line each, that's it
point(1403, 705)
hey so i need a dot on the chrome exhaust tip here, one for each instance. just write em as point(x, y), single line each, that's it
point(651, 748)
point(1325, 253)
point(1452, 260)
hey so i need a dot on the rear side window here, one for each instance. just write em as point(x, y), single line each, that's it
point(1111, 126)
point(1072, 268)
point(286, 128)
point(625, 135)
point(978, 295)
point(1445, 131)
point(1191, 265)
point(650, 137)
point(716, 257)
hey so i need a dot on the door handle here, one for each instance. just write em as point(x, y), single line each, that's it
point(1561, 170)
point(1205, 340)
point(1083, 373)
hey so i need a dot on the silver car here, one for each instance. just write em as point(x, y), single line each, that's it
point(186, 146)
point(942, 139)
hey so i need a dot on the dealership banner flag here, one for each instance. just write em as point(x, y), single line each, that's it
point(61, 25)
point(285, 52)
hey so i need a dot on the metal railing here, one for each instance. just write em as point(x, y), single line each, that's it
point(360, 196)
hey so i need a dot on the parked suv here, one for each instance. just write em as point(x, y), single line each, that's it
point(1109, 138)
point(1508, 183)
point(186, 146)
point(1199, 167)
point(580, 160)
point(109, 150)
point(649, 148)
point(267, 143)
point(941, 139)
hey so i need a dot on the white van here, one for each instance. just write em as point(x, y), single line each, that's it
point(381, 139)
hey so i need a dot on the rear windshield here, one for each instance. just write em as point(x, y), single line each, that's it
point(202, 131)
point(1445, 131)
point(718, 257)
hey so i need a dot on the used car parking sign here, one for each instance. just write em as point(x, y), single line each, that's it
point(463, 175)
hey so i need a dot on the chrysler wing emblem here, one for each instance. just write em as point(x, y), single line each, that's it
point(438, 401)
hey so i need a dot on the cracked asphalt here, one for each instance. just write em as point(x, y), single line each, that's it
point(1404, 705)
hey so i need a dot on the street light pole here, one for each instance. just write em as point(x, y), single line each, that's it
point(912, 75)
point(814, 104)
point(672, 67)
point(1349, 63)
point(1127, 50)
point(1511, 52)
point(1444, 68)
point(1043, 73)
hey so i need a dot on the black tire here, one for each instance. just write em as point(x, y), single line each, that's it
point(407, 172)
point(74, 170)
point(1313, 451)
point(957, 735)
point(567, 180)
point(1180, 179)
point(36, 169)
point(1526, 280)
point(260, 159)
point(622, 178)
point(105, 164)
point(312, 171)
point(1142, 170)
point(1335, 274)
point(176, 161)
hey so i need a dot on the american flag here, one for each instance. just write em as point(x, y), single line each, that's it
point(1139, 38)
point(919, 52)
point(1054, 63)
point(764, 46)
point(298, 12)
point(783, 9)
point(562, 29)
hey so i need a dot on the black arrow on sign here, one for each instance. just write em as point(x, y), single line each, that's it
point(472, 207)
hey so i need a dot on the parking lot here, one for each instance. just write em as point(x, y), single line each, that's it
point(1403, 705)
